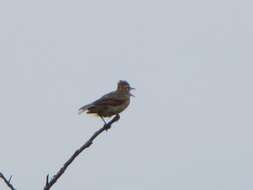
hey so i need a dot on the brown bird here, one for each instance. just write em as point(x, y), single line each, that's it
point(112, 103)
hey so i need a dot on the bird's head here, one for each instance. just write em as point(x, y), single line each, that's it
point(123, 86)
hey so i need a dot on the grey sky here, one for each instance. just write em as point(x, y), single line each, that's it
point(190, 125)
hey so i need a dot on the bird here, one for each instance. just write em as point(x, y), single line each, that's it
point(112, 103)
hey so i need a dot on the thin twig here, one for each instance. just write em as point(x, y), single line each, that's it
point(7, 182)
point(53, 180)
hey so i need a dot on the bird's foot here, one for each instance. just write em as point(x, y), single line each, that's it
point(108, 125)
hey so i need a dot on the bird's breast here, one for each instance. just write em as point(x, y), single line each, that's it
point(120, 108)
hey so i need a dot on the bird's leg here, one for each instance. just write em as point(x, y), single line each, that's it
point(106, 125)
point(103, 119)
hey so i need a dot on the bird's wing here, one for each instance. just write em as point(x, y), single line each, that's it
point(85, 107)
point(110, 99)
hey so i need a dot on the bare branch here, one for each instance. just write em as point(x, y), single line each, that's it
point(7, 182)
point(53, 180)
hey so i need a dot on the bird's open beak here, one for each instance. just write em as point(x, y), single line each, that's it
point(131, 93)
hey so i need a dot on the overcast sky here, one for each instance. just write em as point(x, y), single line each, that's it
point(190, 125)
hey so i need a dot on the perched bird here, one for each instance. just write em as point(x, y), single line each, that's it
point(112, 103)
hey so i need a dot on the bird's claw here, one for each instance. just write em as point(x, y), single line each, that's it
point(107, 126)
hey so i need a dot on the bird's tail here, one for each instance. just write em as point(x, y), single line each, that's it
point(84, 108)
